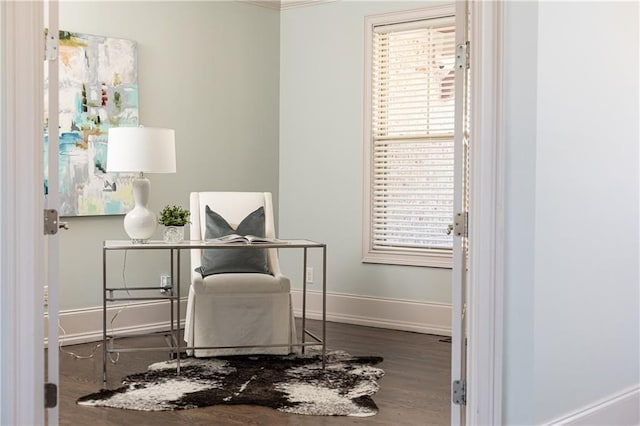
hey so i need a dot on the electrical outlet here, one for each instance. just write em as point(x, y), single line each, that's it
point(309, 277)
point(46, 295)
point(165, 284)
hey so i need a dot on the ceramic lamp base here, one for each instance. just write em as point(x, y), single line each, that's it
point(140, 223)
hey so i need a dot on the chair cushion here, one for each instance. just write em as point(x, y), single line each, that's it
point(239, 284)
point(221, 261)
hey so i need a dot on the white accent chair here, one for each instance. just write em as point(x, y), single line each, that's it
point(237, 309)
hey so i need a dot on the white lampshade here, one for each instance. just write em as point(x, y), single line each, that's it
point(141, 149)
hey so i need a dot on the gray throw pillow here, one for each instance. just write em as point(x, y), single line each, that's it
point(236, 260)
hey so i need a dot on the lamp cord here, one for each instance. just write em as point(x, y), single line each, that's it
point(93, 352)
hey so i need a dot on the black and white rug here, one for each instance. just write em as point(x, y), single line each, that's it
point(292, 384)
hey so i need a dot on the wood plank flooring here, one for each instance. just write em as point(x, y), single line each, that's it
point(414, 390)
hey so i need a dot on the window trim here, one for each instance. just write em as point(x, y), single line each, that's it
point(436, 258)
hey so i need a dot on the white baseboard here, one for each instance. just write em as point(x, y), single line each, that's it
point(406, 315)
point(619, 409)
point(85, 325)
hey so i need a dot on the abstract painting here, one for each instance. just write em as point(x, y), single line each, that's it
point(98, 89)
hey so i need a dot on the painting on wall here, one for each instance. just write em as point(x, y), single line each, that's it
point(98, 89)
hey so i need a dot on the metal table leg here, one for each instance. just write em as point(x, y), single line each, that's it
point(324, 305)
point(177, 310)
point(104, 318)
point(304, 299)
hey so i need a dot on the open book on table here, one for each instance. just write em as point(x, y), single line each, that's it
point(246, 239)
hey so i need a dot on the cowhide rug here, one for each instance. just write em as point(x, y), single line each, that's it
point(292, 384)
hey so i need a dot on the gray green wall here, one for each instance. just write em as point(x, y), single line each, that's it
point(214, 72)
point(210, 71)
point(321, 145)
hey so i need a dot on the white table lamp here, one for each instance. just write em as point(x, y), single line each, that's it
point(140, 150)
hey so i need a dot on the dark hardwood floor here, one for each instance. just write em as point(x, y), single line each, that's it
point(414, 390)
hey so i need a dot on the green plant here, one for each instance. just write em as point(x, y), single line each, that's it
point(174, 216)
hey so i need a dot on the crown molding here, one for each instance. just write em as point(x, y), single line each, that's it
point(269, 4)
point(289, 4)
point(285, 4)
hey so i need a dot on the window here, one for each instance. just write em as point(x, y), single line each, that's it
point(409, 138)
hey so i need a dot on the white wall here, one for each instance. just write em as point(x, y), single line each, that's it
point(572, 334)
point(520, 79)
point(207, 69)
point(321, 137)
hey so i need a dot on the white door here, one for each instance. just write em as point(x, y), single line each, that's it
point(52, 203)
point(22, 240)
point(461, 207)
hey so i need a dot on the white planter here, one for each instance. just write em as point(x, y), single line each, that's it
point(173, 234)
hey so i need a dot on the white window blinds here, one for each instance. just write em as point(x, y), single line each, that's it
point(412, 136)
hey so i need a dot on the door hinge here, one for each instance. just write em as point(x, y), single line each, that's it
point(462, 56)
point(50, 395)
point(50, 222)
point(51, 47)
point(460, 224)
point(459, 392)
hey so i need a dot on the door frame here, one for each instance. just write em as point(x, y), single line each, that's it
point(459, 273)
point(21, 213)
point(486, 216)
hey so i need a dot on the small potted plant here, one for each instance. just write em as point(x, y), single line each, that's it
point(174, 218)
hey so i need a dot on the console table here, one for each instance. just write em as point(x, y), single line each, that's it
point(176, 346)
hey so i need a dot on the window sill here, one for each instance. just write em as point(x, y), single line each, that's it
point(434, 259)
